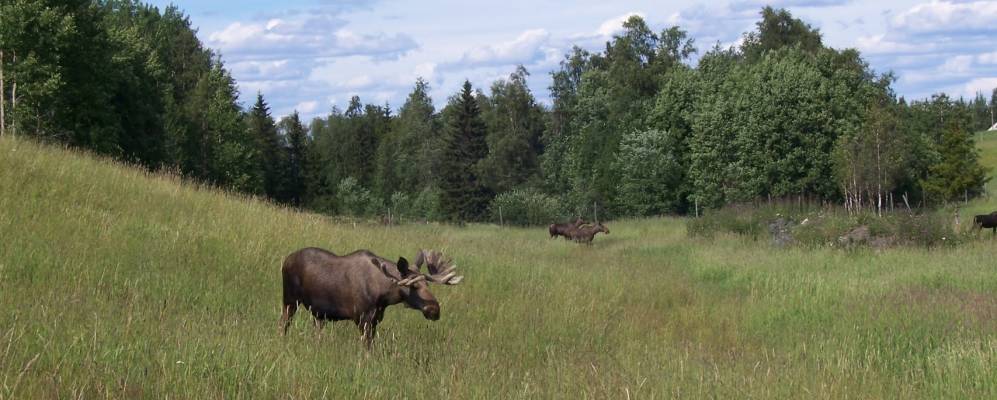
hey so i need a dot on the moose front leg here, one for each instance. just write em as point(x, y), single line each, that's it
point(368, 327)
point(318, 323)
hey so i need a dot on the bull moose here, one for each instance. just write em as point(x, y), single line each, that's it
point(360, 285)
point(986, 221)
point(563, 229)
point(585, 234)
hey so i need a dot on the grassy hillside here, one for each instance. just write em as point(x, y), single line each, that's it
point(116, 283)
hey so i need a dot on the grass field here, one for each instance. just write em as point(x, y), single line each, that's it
point(117, 283)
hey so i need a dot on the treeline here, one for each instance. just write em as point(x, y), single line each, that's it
point(632, 130)
point(123, 79)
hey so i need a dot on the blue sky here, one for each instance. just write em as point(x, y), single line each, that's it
point(309, 55)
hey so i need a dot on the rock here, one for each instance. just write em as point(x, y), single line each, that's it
point(782, 232)
point(859, 235)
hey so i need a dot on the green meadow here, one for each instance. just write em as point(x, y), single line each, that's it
point(117, 283)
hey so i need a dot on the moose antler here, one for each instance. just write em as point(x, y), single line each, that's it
point(441, 270)
point(411, 280)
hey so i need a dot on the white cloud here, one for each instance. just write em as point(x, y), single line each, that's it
point(525, 48)
point(269, 69)
point(614, 25)
point(754, 5)
point(987, 58)
point(957, 65)
point(977, 85)
point(315, 58)
point(304, 36)
point(948, 16)
point(881, 44)
point(306, 107)
point(357, 82)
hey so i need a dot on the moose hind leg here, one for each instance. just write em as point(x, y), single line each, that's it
point(285, 318)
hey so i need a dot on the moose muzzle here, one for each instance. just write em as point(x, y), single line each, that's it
point(431, 312)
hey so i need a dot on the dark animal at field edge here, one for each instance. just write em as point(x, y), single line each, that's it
point(360, 285)
point(988, 221)
point(563, 229)
point(585, 234)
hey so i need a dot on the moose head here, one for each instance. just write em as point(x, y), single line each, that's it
point(415, 284)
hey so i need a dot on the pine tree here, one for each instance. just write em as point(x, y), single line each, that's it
point(465, 198)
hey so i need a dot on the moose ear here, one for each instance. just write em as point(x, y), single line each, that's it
point(384, 267)
point(403, 266)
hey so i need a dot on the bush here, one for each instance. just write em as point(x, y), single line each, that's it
point(526, 208)
point(355, 200)
point(427, 204)
point(745, 220)
point(401, 205)
point(825, 226)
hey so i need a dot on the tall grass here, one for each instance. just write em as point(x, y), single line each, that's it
point(117, 283)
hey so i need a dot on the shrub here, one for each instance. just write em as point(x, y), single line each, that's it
point(745, 220)
point(526, 207)
point(427, 204)
point(401, 205)
point(355, 200)
point(824, 227)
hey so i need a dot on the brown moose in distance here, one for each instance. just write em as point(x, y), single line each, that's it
point(585, 233)
point(987, 221)
point(360, 285)
point(563, 229)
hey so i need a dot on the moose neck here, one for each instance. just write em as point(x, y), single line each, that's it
point(397, 295)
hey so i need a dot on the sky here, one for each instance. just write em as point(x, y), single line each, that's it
point(311, 55)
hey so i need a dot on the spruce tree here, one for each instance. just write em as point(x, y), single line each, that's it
point(465, 198)
point(297, 151)
point(263, 129)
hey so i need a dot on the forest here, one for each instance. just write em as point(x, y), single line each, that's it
point(637, 129)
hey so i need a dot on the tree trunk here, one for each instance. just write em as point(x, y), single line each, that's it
point(2, 95)
point(13, 98)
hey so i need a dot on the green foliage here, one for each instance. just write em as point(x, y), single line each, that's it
point(876, 159)
point(606, 95)
point(768, 128)
point(515, 125)
point(428, 204)
point(958, 174)
point(560, 132)
point(814, 227)
point(652, 173)
point(298, 144)
point(526, 208)
point(355, 200)
point(409, 156)
point(400, 204)
point(778, 29)
point(633, 129)
point(272, 157)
